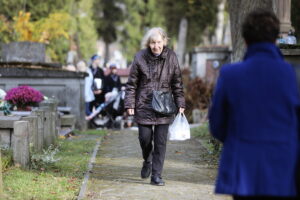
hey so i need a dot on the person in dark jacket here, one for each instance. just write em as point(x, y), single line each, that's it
point(254, 115)
point(112, 80)
point(154, 68)
point(98, 75)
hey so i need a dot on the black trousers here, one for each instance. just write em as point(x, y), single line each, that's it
point(157, 135)
point(262, 198)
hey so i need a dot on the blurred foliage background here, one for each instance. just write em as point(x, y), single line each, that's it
point(61, 24)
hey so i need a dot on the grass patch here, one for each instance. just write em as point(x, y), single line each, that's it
point(90, 132)
point(201, 131)
point(60, 181)
point(6, 158)
point(212, 145)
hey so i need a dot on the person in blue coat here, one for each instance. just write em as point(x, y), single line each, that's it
point(254, 115)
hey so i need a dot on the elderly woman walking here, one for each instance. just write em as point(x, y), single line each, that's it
point(154, 68)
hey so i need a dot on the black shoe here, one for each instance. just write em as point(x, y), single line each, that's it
point(146, 170)
point(156, 180)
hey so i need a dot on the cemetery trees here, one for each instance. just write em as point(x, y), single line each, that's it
point(189, 19)
point(73, 18)
point(84, 35)
point(195, 17)
point(107, 16)
point(238, 9)
point(139, 16)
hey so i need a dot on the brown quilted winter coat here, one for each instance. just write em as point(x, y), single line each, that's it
point(144, 78)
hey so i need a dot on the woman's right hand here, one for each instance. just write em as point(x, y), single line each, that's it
point(130, 111)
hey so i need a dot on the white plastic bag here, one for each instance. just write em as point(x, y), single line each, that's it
point(180, 128)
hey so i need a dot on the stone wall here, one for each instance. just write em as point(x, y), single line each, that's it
point(33, 52)
point(24, 132)
point(66, 86)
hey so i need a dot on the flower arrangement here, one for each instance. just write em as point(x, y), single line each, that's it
point(23, 96)
point(4, 105)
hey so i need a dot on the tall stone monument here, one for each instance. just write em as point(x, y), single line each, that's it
point(282, 9)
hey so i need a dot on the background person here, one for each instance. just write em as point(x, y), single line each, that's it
point(254, 115)
point(97, 74)
point(89, 96)
point(156, 65)
point(112, 80)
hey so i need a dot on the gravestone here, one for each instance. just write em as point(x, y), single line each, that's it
point(33, 52)
point(66, 86)
point(196, 116)
point(33, 130)
point(40, 129)
point(21, 153)
point(48, 129)
point(204, 57)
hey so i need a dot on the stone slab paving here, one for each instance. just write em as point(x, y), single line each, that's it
point(116, 172)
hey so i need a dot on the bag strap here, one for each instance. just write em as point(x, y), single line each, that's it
point(162, 68)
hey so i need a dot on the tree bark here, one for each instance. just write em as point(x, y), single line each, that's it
point(220, 23)
point(183, 27)
point(238, 9)
point(106, 49)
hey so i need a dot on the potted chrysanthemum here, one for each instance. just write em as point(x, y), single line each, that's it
point(23, 97)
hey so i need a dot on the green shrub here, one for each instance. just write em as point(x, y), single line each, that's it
point(212, 145)
point(201, 131)
point(6, 157)
point(197, 93)
point(45, 160)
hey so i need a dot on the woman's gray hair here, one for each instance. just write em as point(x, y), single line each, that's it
point(151, 34)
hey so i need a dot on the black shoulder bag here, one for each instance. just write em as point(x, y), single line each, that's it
point(163, 101)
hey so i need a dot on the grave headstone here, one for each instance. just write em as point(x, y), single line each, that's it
point(23, 52)
point(196, 116)
point(21, 153)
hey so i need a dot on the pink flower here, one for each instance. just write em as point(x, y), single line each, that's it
point(23, 96)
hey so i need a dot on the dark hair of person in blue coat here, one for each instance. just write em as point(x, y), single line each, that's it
point(254, 115)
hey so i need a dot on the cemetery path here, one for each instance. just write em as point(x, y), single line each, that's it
point(116, 172)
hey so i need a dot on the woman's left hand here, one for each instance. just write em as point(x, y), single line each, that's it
point(181, 110)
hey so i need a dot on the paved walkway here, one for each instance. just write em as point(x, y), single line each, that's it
point(116, 173)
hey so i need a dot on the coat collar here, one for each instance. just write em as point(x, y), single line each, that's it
point(265, 48)
point(152, 57)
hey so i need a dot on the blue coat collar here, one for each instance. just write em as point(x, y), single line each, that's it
point(263, 48)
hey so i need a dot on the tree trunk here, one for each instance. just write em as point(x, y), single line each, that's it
point(106, 49)
point(183, 27)
point(220, 23)
point(238, 9)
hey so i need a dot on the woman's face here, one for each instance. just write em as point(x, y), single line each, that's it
point(156, 44)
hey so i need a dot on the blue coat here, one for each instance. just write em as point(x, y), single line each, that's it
point(254, 115)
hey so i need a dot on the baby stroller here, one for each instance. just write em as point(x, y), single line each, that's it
point(111, 111)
